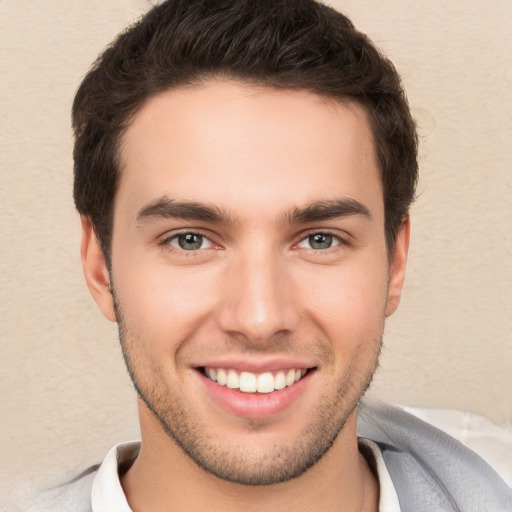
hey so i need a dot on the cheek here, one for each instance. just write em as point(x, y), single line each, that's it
point(350, 303)
point(163, 303)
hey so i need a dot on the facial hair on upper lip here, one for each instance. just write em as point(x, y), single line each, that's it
point(280, 346)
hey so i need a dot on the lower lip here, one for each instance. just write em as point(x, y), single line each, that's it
point(253, 405)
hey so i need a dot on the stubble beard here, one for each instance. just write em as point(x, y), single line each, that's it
point(236, 463)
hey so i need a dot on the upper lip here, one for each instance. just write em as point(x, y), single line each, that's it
point(255, 365)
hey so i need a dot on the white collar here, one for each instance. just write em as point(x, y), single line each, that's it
point(108, 495)
point(388, 499)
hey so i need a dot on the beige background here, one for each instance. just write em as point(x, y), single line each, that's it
point(65, 396)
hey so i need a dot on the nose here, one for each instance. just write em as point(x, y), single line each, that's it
point(258, 301)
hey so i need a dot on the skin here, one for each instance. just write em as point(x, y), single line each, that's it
point(256, 289)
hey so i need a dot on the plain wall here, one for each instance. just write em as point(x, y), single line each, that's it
point(66, 398)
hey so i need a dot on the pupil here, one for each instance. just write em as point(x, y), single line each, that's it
point(320, 241)
point(190, 241)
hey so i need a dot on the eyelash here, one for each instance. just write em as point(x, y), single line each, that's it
point(341, 242)
point(166, 242)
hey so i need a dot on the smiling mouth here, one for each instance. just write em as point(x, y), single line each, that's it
point(248, 382)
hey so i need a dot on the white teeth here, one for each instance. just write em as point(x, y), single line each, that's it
point(249, 382)
point(221, 377)
point(280, 380)
point(233, 381)
point(265, 383)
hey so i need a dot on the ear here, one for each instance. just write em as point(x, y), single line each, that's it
point(397, 266)
point(95, 270)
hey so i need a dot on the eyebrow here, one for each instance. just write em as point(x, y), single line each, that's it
point(325, 210)
point(164, 208)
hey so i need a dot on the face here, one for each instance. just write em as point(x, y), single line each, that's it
point(250, 272)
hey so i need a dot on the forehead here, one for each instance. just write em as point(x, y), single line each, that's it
point(233, 144)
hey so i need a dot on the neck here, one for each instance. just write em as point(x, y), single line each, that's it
point(164, 478)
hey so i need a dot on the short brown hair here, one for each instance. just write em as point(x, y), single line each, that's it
point(285, 44)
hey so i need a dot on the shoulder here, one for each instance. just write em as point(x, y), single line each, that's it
point(72, 496)
point(430, 469)
point(99, 485)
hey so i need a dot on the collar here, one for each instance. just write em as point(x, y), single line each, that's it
point(388, 499)
point(107, 492)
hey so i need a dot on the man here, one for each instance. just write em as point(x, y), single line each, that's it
point(244, 171)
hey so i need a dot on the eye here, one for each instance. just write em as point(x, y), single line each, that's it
point(189, 241)
point(319, 241)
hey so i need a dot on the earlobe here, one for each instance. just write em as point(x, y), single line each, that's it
point(96, 271)
point(397, 266)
